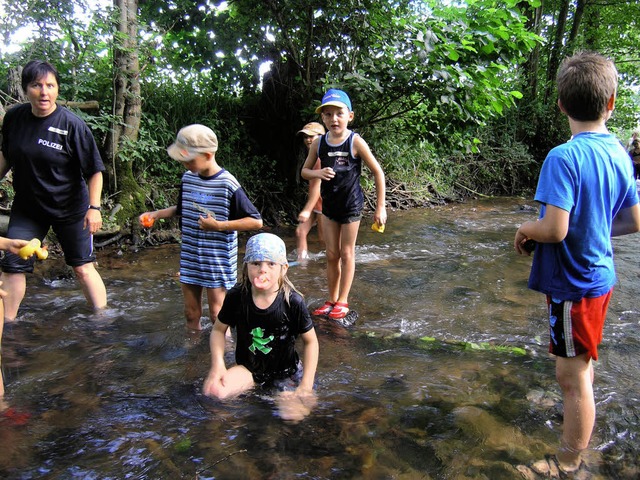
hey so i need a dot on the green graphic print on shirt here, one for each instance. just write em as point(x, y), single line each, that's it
point(259, 342)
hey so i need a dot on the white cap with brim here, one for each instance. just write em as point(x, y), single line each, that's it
point(192, 140)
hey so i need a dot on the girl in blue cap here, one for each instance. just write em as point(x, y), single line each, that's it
point(341, 153)
point(268, 314)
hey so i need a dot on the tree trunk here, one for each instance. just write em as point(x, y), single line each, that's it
point(127, 111)
point(15, 85)
point(532, 65)
point(575, 27)
point(590, 30)
point(556, 49)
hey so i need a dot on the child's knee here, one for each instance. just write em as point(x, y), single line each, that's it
point(348, 255)
point(333, 256)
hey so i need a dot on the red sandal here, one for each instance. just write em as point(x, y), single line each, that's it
point(339, 311)
point(324, 309)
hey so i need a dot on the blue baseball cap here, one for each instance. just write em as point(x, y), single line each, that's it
point(335, 97)
point(266, 247)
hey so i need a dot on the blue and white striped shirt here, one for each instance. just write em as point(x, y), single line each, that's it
point(207, 258)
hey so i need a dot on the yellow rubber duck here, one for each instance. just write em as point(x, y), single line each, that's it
point(34, 247)
point(376, 227)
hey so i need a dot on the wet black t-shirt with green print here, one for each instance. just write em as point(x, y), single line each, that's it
point(266, 338)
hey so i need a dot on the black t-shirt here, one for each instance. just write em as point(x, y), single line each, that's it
point(266, 338)
point(51, 157)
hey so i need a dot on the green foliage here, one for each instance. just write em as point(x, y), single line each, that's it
point(395, 58)
point(500, 164)
point(79, 50)
point(6, 193)
point(494, 163)
point(443, 92)
point(171, 106)
point(440, 68)
point(151, 153)
point(426, 174)
point(612, 29)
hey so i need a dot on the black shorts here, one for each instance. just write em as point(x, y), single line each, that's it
point(344, 219)
point(75, 240)
point(280, 381)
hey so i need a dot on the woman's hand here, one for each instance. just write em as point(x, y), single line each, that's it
point(93, 220)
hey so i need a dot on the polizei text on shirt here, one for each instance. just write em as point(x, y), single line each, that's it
point(49, 144)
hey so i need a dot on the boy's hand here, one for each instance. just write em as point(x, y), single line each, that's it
point(380, 217)
point(210, 223)
point(295, 406)
point(147, 219)
point(519, 243)
point(326, 173)
point(303, 216)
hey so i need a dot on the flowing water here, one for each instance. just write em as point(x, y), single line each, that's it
point(445, 375)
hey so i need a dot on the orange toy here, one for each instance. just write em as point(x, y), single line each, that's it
point(147, 220)
point(42, 253)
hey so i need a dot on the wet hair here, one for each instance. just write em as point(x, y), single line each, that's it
point(284, 284)
point(586, 82)
point(36, 69)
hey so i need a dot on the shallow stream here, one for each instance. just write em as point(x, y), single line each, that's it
point(445, 375)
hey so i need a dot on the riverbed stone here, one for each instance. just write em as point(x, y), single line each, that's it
point(487, 430)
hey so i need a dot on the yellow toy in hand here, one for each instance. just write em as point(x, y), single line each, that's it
point(376, 227)
point(33, 247)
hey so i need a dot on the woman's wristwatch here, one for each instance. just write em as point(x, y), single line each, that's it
point(93, 207)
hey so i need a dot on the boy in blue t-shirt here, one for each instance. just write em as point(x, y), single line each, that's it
point(588, 195)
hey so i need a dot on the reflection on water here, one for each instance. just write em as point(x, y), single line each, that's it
point(430, 383)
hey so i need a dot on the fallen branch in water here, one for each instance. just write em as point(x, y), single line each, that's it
point(472, 191)
point(227, 457)
point(109, 241)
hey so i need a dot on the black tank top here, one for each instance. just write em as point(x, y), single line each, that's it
point(342, 196)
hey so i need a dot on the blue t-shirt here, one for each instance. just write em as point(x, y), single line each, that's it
point(591, 178)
